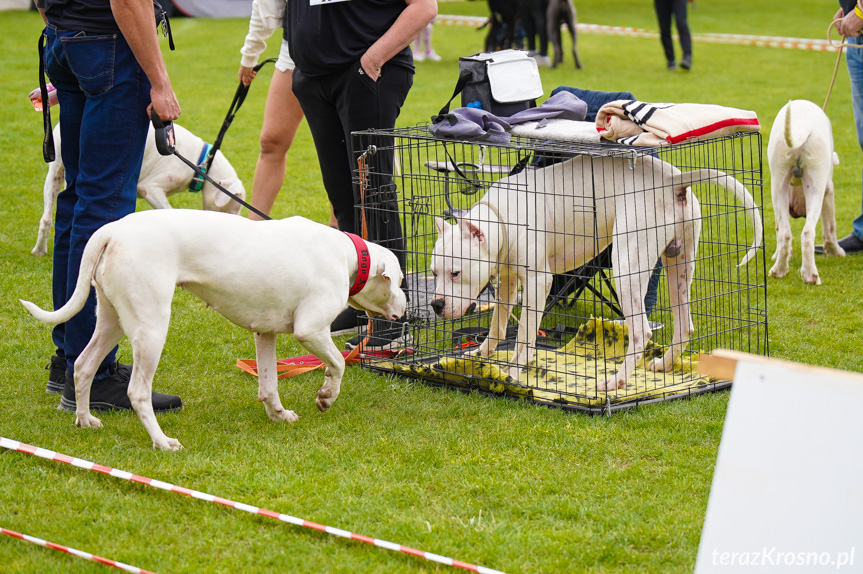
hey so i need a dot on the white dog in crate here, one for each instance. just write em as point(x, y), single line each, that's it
point(801, 159)
point(161, 176)
point(537, 223)
point(265, 276)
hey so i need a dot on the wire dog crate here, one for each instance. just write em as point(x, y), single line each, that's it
point(538, 228)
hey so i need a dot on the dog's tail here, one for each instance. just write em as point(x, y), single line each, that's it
point(92, 254)
point(789, 135)
point(740, 192)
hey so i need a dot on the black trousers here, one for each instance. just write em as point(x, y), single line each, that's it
point(347, 101)
point(665, 9)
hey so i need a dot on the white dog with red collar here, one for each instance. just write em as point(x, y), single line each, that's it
point(278, 276)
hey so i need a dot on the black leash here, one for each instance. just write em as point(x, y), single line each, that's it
point(166, 145)
point(239, 98)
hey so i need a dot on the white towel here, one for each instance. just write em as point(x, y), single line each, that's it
point(557, 129)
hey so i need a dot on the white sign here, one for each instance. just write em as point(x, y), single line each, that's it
point(787, 492)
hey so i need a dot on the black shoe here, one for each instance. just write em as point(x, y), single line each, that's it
point(111, 393)
point(672, 65)
point(347, 322)
point(850, 243)
point(56, 375)
point(385, 336)
point(686, 62)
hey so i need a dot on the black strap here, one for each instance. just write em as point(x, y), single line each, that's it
point(48, 153)
point(463, 79)
point(239, 98)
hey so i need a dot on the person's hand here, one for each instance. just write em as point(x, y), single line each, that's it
point(246, 75)
point(371, 69)
point(164, 103)
point(850, 25)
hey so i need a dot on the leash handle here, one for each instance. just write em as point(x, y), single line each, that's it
point(164, 134)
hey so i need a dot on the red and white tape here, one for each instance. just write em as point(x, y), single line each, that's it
point(87, 465)
point(72, 551)
point(713, 38)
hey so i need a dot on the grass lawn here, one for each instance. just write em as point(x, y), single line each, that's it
point(508, 485)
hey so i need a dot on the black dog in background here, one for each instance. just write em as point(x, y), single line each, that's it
point(561, 12)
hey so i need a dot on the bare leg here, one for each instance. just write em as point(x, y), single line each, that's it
point(282, 117)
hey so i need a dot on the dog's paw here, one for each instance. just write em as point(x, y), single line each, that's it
point(810, 277)
point(778, 271)
point(834, 249)
point(167, 443)
point(325, 399)
point(610, 384)
point(657, 365)
point(87, 421)
point(284, 415)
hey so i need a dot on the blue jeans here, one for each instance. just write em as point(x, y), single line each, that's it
point(103, 95)
point(854, 59)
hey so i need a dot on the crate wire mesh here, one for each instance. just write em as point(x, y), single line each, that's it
point(567, 194)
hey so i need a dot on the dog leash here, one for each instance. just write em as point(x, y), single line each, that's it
point(840, 47)
point(239, 98)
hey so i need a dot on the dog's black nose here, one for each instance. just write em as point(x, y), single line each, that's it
point(437, 305)
point(470, 309)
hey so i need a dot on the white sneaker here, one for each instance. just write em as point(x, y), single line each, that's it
point(542, 60)
point(419, 57)
point(432, 56)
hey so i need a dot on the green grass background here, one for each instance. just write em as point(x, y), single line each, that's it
point(507, 485)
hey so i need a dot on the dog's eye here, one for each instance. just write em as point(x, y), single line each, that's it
point(455, 274)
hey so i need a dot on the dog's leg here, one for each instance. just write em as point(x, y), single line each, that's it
point(507, 292)
point(268, 387)
point(552, 21)
point(571, 24)
point(106, 334)
point(535, 289)
point(53, 183)
point(679, 271)
point(828, 222)
point(814, 185)
point(316, 338)
point(155, 196)
point(780, 193)
point(633, 258)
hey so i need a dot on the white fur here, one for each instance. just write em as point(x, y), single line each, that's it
point(548, 225)
point(801, 141)
point(280, 276)
point(160, 177)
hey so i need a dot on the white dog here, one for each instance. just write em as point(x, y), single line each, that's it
point(278, 276)
point(555, 219)
point(801, 159)
point(160, 177)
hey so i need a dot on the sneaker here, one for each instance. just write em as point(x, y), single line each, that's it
point(850, 243)
point(56, 375)
point(111, 393)
point(432, 56)
point(385, 336)
point(543, 61)
point(348, 321)
point(686, 62)
point(672, 65)
point(419, 56)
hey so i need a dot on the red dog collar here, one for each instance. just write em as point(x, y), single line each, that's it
point(364, 264)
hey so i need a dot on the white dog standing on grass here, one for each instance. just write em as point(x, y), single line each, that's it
point(161, 176)
point(801, 159)
point(279, 276)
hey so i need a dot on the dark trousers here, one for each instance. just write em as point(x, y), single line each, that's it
point(665, 9)
point(337, 105)
point(533, 21)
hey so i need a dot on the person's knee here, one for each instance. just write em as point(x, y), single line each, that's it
point(275, 142)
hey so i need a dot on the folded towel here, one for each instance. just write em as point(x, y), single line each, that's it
point(638, 123)
point(556, 129)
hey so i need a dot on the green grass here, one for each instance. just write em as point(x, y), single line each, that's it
point(503, 484)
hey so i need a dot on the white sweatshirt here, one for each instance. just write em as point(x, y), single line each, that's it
point(267, 17)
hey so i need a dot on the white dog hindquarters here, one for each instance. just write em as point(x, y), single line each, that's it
point(801, 158)
point(587, 276)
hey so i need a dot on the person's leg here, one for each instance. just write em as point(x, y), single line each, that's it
point(113, 131)
point(663, 16)
point(282, 117)
point(539, 15)
point(854, 61)
point(679, 9)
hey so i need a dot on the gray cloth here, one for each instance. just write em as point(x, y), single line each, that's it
point(470, 124)
point(563, 105)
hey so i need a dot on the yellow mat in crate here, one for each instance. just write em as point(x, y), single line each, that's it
point(567, 375)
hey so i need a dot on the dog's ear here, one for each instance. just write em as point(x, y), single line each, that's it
point(389, 269)
point(472, 230)
point(441, 225)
